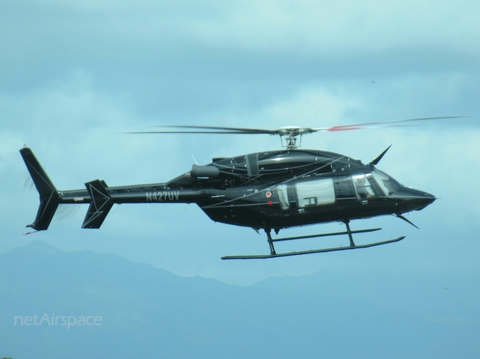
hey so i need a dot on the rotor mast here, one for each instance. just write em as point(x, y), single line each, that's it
point(291, 133)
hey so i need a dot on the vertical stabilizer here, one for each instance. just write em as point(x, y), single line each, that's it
point(49, 197)
point(100, 204)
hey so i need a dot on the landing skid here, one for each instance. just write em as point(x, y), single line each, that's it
point(349, 232)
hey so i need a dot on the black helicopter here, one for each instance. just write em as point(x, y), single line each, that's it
point(269, 190)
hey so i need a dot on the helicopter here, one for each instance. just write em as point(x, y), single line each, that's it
point(269, 191)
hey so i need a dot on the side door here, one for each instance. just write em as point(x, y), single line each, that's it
point(316, 192)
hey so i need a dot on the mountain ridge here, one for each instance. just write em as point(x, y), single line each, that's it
point(149, 311)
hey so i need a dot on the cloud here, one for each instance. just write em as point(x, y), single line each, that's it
point(75, 74)
point(310, 106)
point(340, 27)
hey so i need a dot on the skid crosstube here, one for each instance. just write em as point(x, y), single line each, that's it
point(325, 234)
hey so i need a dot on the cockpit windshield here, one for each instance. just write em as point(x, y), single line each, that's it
point(388, 185)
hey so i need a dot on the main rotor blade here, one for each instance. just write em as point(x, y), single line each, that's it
point(201, 132)
point(291, 131)
point(211, 130)
point(283, 131)
point(395, 123)
point(224, 129)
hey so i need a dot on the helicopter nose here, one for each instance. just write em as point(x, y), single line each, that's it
point(409, 199)
point(425, 200)
point(418, 200)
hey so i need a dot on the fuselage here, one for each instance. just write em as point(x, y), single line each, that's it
point(277, 189)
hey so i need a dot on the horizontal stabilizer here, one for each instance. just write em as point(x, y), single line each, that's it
point(100, 204)
point(49, 197)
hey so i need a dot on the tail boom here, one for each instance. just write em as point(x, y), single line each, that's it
point(98, 195)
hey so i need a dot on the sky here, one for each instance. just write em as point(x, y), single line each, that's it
point(75, 76)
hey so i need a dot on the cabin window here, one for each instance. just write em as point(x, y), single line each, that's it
point(282, 192)
point(363, 187)
point(315, 193)
point(344, 188)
